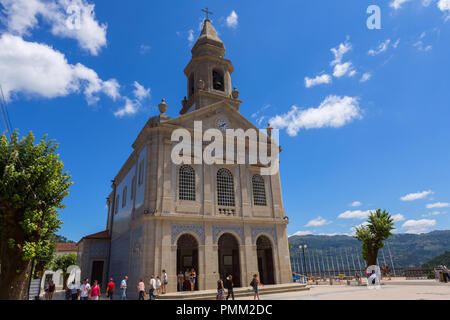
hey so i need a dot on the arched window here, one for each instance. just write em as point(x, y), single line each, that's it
point(186, 189)
point(259, 191)
point(191, 85)
point(218, 80)
point(225, 188)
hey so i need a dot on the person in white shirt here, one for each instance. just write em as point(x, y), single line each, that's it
point(123, 288)
point(158, 286)
point(73, 290)
point(445, 273)
point(84, 290)
point(164, 282)
point(152, 287)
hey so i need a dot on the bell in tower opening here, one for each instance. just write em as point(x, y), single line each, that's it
point(218, 81)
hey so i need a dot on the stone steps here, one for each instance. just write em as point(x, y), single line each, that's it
point(238, 292)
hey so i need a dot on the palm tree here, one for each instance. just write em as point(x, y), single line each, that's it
point(372, 234)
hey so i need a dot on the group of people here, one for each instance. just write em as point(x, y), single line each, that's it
point(157, 286)
point(445, 272)
point(186, 280)
point(229, 285)
point(86, 291)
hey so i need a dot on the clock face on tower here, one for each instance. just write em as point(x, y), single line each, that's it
point(222, 125)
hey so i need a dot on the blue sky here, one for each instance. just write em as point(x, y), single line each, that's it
point(364, 126)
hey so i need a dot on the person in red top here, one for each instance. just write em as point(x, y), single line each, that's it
point(110, 289)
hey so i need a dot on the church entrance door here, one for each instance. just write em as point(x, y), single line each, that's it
point(187, 257)
point(229, 262)
point(265, 260)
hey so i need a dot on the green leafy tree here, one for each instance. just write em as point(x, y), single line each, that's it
point(63, 263)
point(32, 188)
point(378, 229)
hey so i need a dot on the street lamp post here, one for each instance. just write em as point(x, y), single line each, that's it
point(303, 247)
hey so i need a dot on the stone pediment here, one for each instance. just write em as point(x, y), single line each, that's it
point(212, 116)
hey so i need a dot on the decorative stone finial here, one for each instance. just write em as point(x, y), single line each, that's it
point(269, 130)
point(163, 106)
point(235, 93)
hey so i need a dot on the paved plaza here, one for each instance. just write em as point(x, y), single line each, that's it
point(395, 290)
point(390, 290)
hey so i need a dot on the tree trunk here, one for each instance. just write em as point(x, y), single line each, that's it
point(15, 272)
point(65, 278)
point(372, 258)
point(14, 278)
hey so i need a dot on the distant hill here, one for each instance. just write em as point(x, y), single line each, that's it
point(443, 258)
point(407, 250)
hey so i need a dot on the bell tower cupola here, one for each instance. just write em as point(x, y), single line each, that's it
point(209, 73)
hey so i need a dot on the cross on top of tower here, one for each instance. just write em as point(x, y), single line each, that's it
point(207, 13)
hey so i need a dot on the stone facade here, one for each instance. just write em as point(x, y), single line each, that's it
point(147, 217)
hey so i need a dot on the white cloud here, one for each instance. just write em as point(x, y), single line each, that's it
point(318, 222)
point(21, 16)
point(191, 36)
point(398, 217)
point(302, 233)
point(144, 49)
point(131, 107)
point(140, 92)
point(356, 214)
point(434, 213)
point(444, 5)
point(333, 112)
point(341, 69)
point(382, 47)
point(356, 204)
point(339, 52)
point(416, 196)
point(397, 4)
point(232, 20)
point(418, 226)
point(320, 79)
point(438, 205)
point(38, 70)
point(366, 77)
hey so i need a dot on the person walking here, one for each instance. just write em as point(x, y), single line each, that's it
point(141, 289)
point(123, 288)
point(50, 290)
point(192, 279)
point(445, 272)
point(164, 282)
point(152, 287)
point(254, 284)
point(110, 289)
point(158, 286)
point(187, 282)
point(95, 291)
point(85, 288)
point(73, 290)
point(220, 290)
point(229, 287)
point(180, 279)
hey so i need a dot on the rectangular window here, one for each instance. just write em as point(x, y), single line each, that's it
point(124, 197)
point(116, 206)
point(141, 173)
point(133, 188)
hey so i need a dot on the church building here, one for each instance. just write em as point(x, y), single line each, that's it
point(217, 219)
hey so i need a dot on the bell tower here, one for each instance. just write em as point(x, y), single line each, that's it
point(209, 73)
